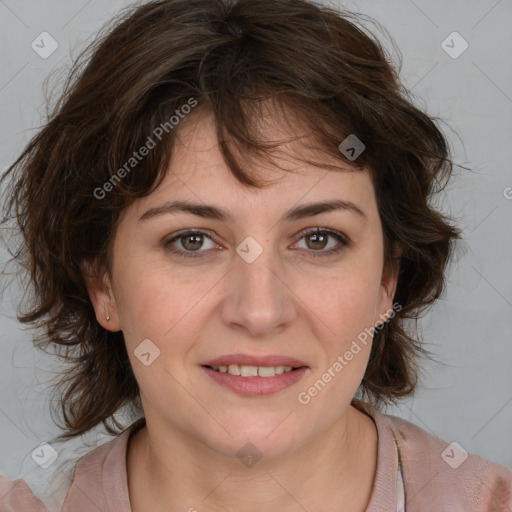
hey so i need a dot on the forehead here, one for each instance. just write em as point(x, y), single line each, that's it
point(197, 170)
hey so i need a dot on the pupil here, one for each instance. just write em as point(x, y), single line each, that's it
point(318, 237)
point(197, 239)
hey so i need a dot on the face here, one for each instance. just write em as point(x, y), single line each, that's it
point(257, 283)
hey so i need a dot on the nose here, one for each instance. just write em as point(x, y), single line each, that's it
point(259, 300)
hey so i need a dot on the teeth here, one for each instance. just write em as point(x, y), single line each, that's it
point(252, 371)
point(266, 371)
point(234, 369)
point(249, 371)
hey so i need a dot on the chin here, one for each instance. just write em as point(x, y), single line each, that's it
point(250, 450)
point(266, 442)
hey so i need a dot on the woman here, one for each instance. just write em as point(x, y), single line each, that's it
point(227, 224)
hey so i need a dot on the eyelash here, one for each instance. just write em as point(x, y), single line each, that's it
point(343, 240)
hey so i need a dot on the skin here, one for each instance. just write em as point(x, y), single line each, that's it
point(286, 302)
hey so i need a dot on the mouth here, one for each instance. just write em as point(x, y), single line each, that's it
point(253, 371)
point(252, 376)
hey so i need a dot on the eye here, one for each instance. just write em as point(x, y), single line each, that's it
point(316, 241)
point(190, 241)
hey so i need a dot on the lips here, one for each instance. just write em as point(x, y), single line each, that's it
point(256, 386)
point(256, 376)
point(260, 361)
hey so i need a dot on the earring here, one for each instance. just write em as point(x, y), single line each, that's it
point(108, 318)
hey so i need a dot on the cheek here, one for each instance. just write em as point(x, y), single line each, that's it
point(163, 304)
point(346, 303)
point(157, 306)
point(148, 302)
point(344, 310)
point(150, 305)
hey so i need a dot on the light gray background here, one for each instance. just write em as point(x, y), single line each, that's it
point(467, 398)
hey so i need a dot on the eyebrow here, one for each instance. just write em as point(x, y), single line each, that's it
point(213, 212)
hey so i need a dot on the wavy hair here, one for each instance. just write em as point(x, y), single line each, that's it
point(229, 56)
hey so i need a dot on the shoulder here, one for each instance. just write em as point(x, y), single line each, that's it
point(443, 476)
point(100, 477)
point(99, 481)
point(16, 496)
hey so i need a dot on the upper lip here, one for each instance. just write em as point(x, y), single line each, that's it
point(249, 360)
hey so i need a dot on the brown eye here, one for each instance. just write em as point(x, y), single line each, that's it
point(191, 242)
point(316, 242)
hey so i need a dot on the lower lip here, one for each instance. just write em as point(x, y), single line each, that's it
point(256, 386)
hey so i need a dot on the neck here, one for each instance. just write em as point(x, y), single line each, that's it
point(167, 467)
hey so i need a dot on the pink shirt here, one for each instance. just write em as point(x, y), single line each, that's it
point(437, 476)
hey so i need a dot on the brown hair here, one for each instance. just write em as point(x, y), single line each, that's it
point(227, 56)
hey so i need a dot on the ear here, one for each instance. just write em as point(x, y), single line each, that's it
point(102, 297)
point(388, 286)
